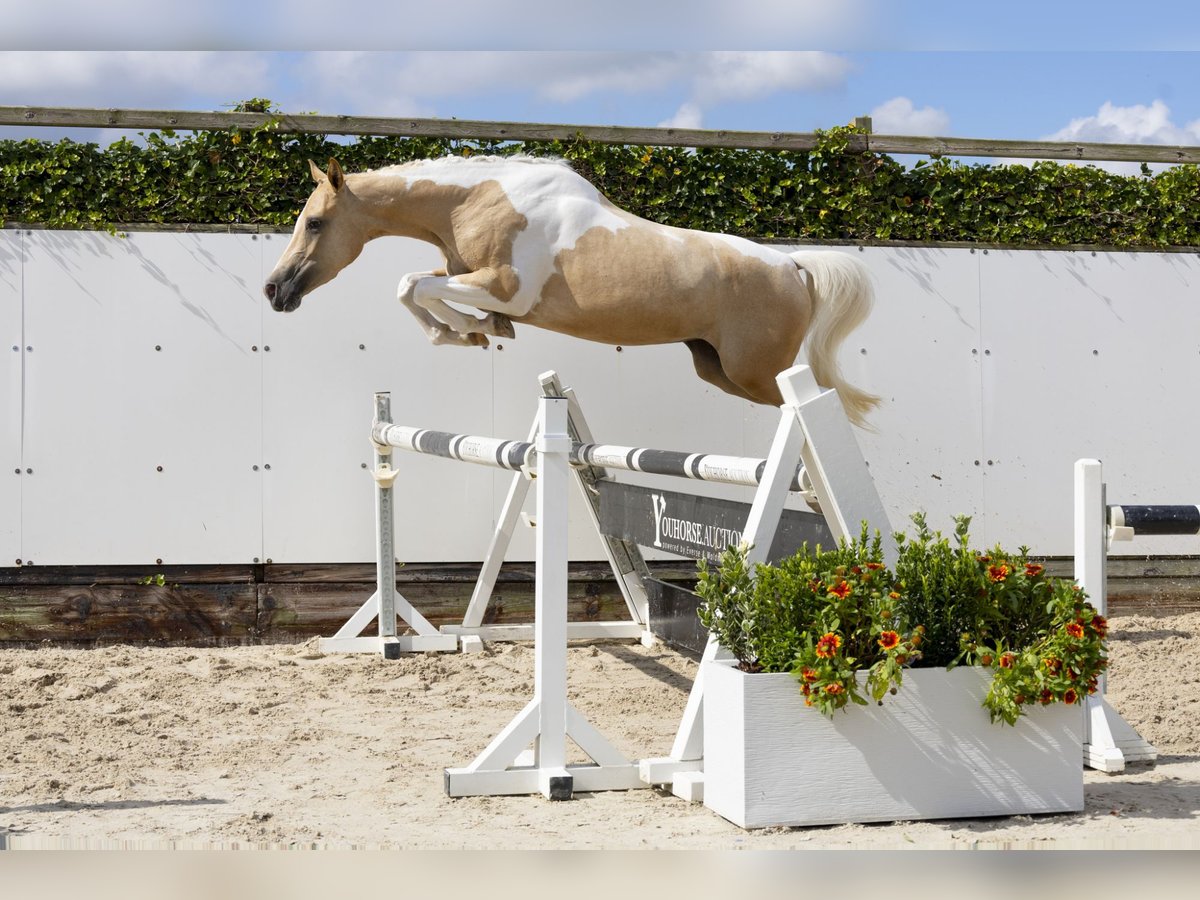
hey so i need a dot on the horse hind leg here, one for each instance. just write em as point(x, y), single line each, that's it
point(708, 366)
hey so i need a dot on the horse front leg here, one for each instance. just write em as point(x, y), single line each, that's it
point(436, 330)
point(478, 289)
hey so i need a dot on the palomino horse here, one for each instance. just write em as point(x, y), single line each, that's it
point(529, 240)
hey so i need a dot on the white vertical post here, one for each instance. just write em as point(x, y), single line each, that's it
point(550, 597)
point(1109, 741)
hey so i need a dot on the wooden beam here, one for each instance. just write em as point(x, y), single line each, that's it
point(466, 129)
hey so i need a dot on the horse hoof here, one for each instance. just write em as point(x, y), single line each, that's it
point(503, 326)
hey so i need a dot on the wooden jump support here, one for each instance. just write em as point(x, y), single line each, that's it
point(1109, 741)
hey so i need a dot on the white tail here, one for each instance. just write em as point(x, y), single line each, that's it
point(842, 297)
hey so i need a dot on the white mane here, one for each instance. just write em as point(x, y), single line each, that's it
point(455, 160)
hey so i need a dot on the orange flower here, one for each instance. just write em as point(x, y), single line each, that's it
point(986, 659)
point(1046, 698)
point(842, 589)
point(805, 689)
point(1075, 630)
point(984, 559)
point(834, 689)
point(894, 595)
point(998, 573)
point(1033, 569)
point(1099, 625)
point(1052, 665)
point(1069, 696)
point(901, 659)
point(888, 640)
point(827, 646)
point(874, 566)
point(1006, 660)
point(809, 675)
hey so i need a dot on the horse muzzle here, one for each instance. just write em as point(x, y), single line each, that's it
point(283, 297)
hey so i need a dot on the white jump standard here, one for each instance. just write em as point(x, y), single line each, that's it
point(1109, 741)
point(386, 604)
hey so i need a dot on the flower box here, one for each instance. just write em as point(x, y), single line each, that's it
point(929, 752)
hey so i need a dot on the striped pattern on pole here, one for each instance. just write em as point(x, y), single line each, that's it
point(1156, 519)
point(516, 455)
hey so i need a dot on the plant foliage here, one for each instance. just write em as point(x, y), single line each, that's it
point(830, 193)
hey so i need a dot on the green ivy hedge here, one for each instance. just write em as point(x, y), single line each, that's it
point(830, 193)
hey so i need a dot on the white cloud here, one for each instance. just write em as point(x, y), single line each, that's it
point(689, 115)
point(899, 116)
point(744, 75)
point(1137, 124)
point(408, 83)
point(128, 78)
point(1112, 124)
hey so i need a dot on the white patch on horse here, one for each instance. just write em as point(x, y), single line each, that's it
point(758, 251)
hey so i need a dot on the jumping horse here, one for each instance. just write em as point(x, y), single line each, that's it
point(530, 241)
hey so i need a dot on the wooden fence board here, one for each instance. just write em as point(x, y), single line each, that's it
point(465, 129)
point(175, 614)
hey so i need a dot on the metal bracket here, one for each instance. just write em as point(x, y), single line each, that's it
point(384, 475)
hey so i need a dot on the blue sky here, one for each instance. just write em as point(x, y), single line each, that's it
point(1098, 71)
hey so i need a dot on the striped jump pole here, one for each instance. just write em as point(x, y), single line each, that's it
point(518, 456)
point(1109, 741)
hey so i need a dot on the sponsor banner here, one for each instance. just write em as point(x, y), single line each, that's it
point(696, 527)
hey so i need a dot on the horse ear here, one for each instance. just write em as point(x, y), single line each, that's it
point(336, 177)
point(317, 174)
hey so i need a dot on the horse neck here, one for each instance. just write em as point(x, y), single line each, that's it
point(403, 206)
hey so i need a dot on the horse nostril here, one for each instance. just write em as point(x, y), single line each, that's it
point(269, 289)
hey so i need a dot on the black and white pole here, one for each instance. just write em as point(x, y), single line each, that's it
point(385, 535)
point(1109, 741)
point(386, 603)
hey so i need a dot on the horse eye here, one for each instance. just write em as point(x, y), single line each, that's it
point(313, 224)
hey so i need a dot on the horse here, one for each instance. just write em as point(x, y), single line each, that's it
point(528, 240)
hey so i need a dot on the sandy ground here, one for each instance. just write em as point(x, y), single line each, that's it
point(142, 747)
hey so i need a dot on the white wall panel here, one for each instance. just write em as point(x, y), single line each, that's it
point(105, 408)
point(12, 355)
point(919, 350)
point(1091, 354)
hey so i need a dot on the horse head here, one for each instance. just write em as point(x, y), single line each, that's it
point(329, 235)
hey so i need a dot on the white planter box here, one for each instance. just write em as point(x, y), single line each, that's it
point(929, 752)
